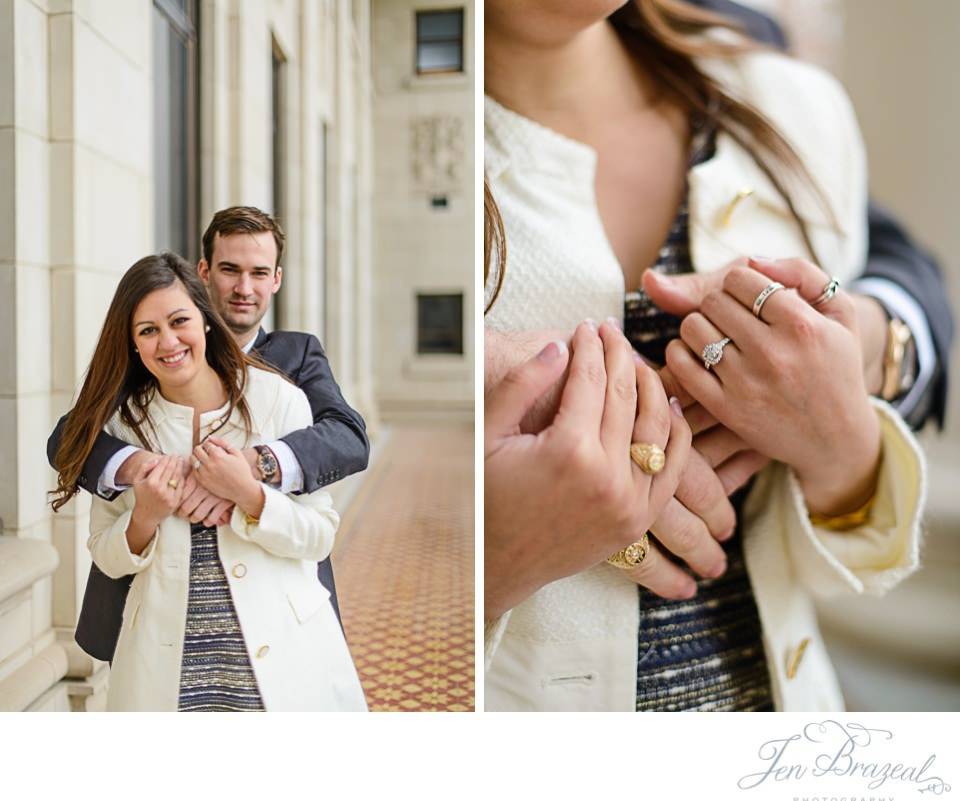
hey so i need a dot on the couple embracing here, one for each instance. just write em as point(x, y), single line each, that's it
point(206, 442)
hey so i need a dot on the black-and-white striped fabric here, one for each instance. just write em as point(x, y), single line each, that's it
point(706, 653)
point(215, 675)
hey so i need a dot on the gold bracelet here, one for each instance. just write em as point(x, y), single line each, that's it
point(844, 522)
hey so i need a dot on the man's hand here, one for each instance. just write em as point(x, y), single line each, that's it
point(133, 466)
point(200, 505)
point(502, 351)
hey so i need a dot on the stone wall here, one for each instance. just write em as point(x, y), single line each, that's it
point(424, 148)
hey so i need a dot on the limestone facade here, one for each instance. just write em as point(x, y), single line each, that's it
point(424, 210)
point(78, 197)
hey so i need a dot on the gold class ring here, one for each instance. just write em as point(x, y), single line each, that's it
point(631, 556)
point(648, 457)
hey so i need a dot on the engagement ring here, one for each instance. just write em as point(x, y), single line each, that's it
point(713, 353)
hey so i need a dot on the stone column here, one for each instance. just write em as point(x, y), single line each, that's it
point(100, 222)
point(341, 208)
point(364, 320)
point(31, 662)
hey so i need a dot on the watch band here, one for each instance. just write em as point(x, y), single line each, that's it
point(898, 358)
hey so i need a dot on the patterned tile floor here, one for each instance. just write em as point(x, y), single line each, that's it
point(404, 569)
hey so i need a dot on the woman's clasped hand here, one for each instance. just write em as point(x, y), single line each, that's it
point(159, 488)
point(171, 484)
point(223, 471)
point(572, 490)
point(790, 379)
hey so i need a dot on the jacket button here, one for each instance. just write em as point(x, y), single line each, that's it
point(741, 195)
point(262, 651)
point(795, 656)
point(239, 570)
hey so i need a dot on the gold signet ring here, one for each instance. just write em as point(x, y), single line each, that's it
point(649, 458)
point(632, 555)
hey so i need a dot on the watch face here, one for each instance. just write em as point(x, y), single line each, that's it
point(266, 462)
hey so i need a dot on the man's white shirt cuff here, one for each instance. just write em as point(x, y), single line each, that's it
point(108, 478)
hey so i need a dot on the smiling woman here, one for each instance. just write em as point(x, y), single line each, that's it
point(167, 373)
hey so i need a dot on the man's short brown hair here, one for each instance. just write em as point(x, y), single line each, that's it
point(241, 220)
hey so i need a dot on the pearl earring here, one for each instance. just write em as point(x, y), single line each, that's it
point(207, 329)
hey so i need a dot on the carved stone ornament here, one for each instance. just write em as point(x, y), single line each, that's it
point(437, 153)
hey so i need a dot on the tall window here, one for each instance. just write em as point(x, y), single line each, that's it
point(176, 139)
point(440, 323)
point(440, 41)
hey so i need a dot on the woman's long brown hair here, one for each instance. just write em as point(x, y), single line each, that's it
point(667, 37)
point(118, 380)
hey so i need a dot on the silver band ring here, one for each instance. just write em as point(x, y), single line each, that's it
point(768, 290)
point(713, 353)
point(828, 292)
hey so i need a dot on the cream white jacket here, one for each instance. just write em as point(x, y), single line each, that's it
point(296, 647)
point(573, 645)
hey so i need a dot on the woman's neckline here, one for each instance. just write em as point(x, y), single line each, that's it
point(213, 405)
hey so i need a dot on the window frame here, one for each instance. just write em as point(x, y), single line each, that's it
point(420, 295)
point(185, 25)
point(461, 40)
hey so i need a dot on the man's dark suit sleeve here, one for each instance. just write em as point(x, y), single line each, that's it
point(891, 255)
point(336, 445)
point(104, 447)
point(895, 258)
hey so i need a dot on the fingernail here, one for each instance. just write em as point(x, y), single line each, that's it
point(675, 405)
point(659, 277)
point(615, 323)
point(723, 536)
point(764, 260)
point(591, 323)
point(689, 591)
point(553, 351)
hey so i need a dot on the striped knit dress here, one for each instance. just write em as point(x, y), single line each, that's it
point(705, 653)
point(215, 675)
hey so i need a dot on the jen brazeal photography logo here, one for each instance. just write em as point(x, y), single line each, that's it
point(833, 760)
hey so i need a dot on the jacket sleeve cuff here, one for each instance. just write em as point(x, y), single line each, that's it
point(880, 554)
point(303, 527)
point(111, 551)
